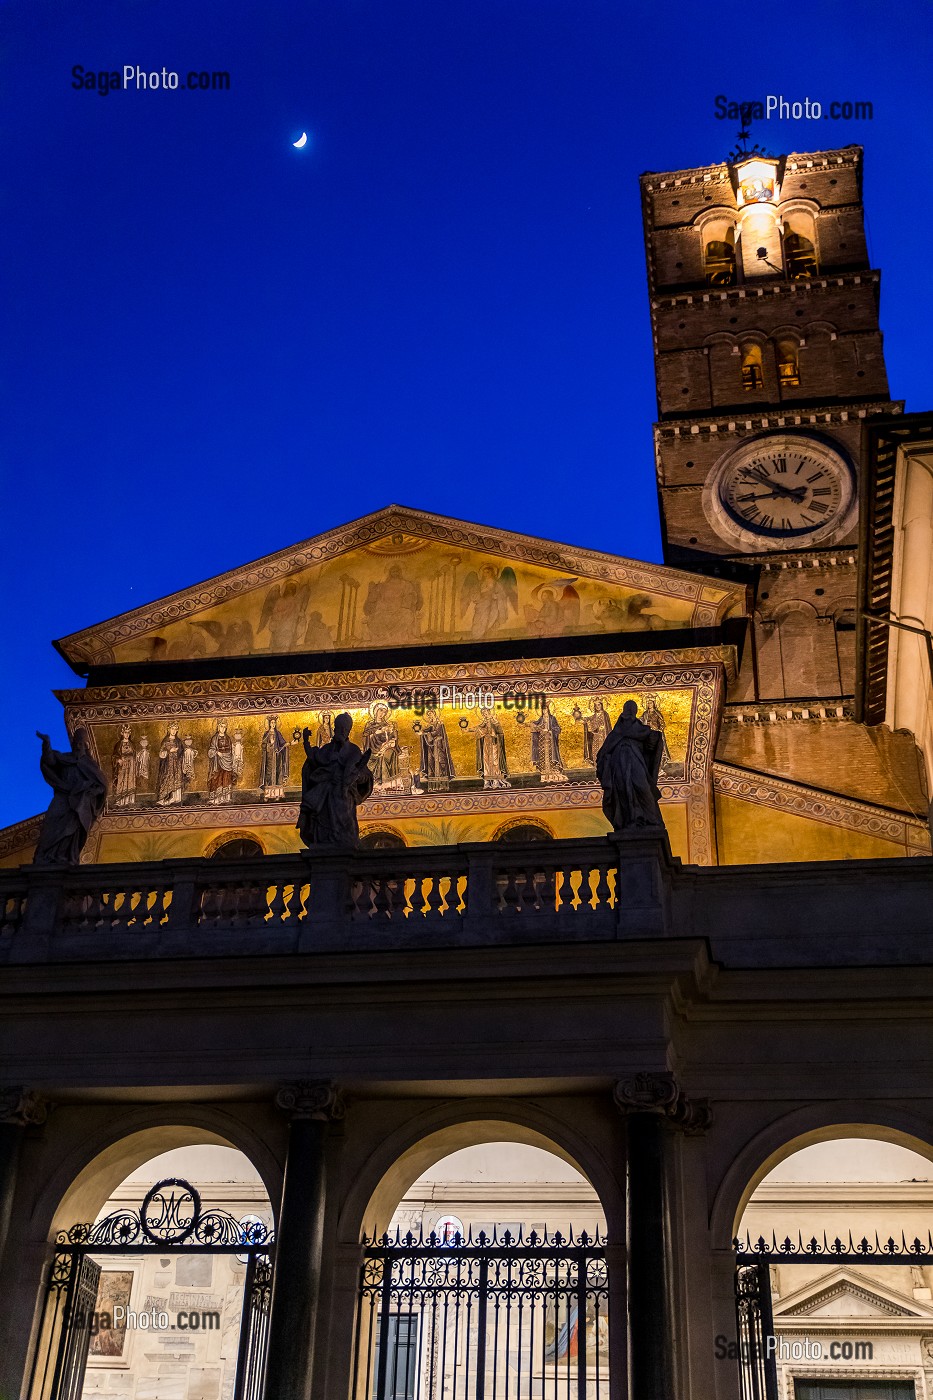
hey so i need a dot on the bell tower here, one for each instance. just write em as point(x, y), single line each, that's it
point(768, 359)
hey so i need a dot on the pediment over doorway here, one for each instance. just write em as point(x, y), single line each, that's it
point(405, 578)
point(848, 1294)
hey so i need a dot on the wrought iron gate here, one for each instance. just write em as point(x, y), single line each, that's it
point(754, 1317)
point(171, 1217)
point(483, 1319)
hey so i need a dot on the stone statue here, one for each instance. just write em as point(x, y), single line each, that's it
point(627, 767)
point(80, 790)
point(335, 779)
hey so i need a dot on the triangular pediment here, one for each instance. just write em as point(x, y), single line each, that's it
point(403, 577)
point(847, 1294)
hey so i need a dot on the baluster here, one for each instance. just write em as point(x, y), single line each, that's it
point(355, 899)
point(434, 897)
point(302, 901)
point(509, 894)
point(278, 903)
point(530, 901)
point(601, 893)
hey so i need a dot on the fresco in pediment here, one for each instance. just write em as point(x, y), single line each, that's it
point(408, 592)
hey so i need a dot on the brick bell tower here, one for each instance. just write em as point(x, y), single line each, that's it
point(768, 358)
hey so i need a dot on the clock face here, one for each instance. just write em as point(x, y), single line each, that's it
point(785, 489)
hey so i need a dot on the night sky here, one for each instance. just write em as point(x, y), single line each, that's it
point(217, 345)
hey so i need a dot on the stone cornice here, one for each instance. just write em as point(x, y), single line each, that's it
point(799, 799)
point(96, 643)
point(767, 419)
point(752, 292)
point(845, 157)
point(561, 674)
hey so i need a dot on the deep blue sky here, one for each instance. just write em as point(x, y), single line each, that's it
point(216, 345)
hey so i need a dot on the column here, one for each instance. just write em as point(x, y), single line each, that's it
point(19, 1109)
point(651, 1103)
point(297, 1283)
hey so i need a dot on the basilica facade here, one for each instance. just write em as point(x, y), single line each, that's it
point(670, 1014)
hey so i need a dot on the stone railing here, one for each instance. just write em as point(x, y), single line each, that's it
point(426, 896)
point(816, 913)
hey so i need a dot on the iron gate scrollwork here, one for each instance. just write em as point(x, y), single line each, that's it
point(754, 1316)
point(488, 1318)
point(171, 1217)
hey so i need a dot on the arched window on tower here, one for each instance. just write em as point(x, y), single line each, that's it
point(788, 363)
point(799, 247)
point(752, 373)
point(719, 258)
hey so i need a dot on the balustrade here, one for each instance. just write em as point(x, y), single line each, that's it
point(458, 894)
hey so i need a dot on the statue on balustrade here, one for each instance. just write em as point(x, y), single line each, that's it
point(627, 767)
point(335, 779)
point(80, 791)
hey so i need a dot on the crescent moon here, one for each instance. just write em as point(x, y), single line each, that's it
point(302, 141)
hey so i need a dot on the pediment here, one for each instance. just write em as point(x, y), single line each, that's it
point(846, 1294)
point(403, 577)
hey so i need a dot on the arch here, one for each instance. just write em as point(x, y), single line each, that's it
point(531, 829)
point(752, 367)
point(396, 1162)
point(803, 1127)
point(87, 1177)
point(718, 236)
point(721, 338)
point(787, 350)
point(382, 838)
point(799, 241)
point(217, 849)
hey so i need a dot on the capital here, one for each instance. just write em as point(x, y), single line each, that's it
point(22, 1107)
point(311, 1098)
point(659, 1093)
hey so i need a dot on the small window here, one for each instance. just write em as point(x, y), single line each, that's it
point(720, 261)
point(799, 256)
point(752, 374)
point(788, 364)
point(238, 848)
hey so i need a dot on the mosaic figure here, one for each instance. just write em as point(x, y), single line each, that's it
point(325, 728)
point(79, 791)
point(380, 737)
point(221, 765)
point(273, 762)
point(437, 765)
point(123, 770)
point(283, 613)
point(170, 783)
point(317, 634)
point(654, 719)
point(627, 768)
point(545, 747)
point(143, 763)
point(491, 761)
point(238, 756)
point(492, 594)
point(335, 778)
point(596, 727)
point(392, 609)
point(188, 754)
point(555, 607)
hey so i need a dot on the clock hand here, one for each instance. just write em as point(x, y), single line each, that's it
point(795, 493)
